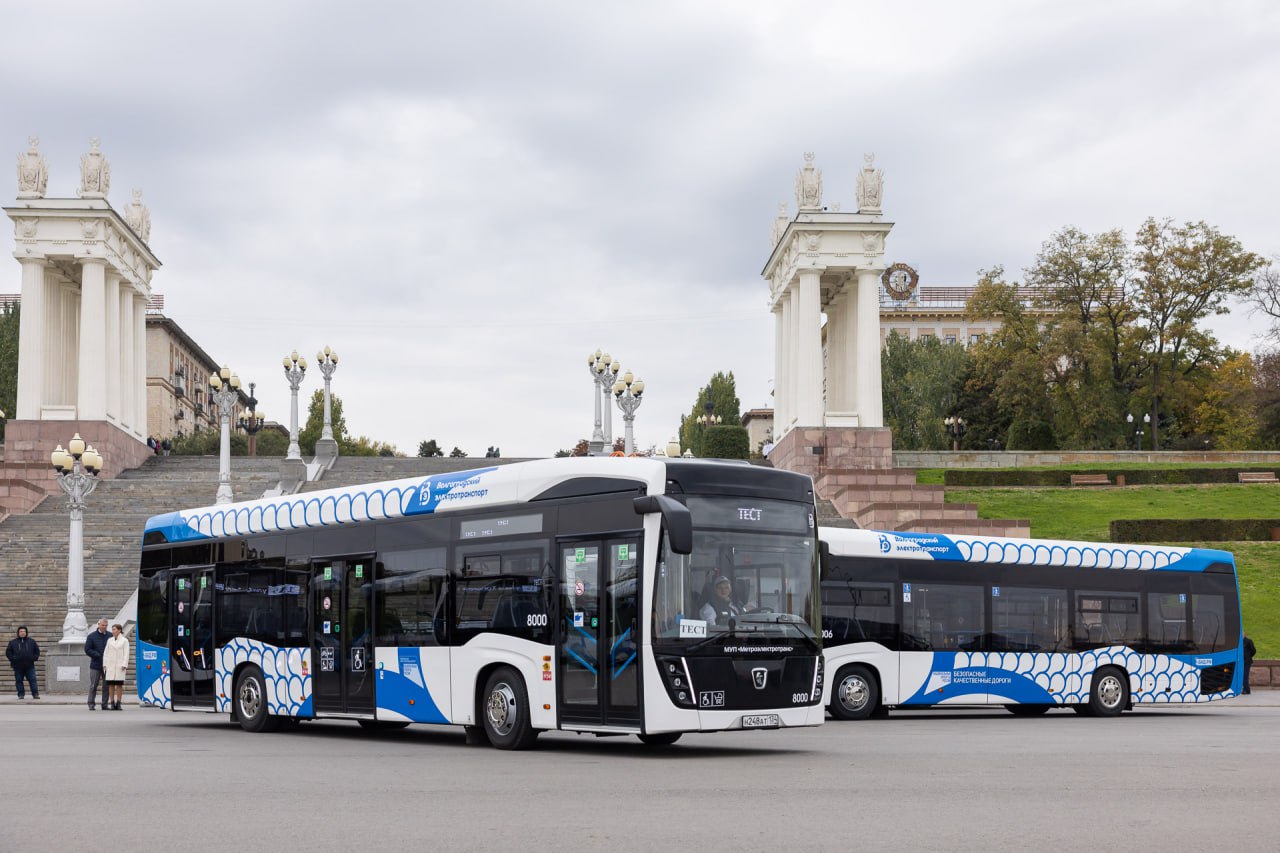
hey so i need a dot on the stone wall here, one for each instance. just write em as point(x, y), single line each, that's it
point(1039, 458)
point(1264, 674)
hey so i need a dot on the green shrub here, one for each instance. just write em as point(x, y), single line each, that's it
point(727, 441)
point(1194, 529)
point(1061, 477)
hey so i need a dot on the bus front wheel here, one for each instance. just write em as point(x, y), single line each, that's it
point(856, 695)
point(1109, 694)
point(251, 702)
point(504, 711)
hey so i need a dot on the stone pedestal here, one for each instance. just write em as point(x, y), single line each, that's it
point(33, 441)
point(326, 451)
point(293, 473)
point(66, 670)
point(815, 450)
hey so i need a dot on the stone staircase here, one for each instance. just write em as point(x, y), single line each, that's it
point(33, 546)
point(891, 499)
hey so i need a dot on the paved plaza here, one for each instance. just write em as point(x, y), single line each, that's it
point(144, 779)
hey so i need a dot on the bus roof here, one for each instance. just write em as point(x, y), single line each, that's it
point(1039, 552)
point(474, 488)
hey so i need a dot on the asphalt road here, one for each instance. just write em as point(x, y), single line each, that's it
point(143, 780)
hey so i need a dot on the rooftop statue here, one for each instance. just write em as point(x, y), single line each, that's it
point(95, 173)
point(138, 217)
point(33, 175)
point(870, 184)
point(809, 185)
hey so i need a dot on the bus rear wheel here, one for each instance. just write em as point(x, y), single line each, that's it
point(251, 702)
point(1109, 694)
point(662, 739)
point(856, 695)
point(504, 711)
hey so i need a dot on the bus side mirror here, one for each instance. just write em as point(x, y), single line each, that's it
point(676, 517)
point(824, 558)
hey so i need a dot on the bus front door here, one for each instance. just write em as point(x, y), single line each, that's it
point(191, 663)
point(598, 637)
point(341, 636)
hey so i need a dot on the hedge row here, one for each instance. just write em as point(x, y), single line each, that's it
point(1059, 477)
point(1194, 529)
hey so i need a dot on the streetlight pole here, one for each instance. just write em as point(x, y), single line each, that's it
point(226, 392)
point(295, 368)
point(252, 421)
point(705, 421)
point(627, 390)
point(604, 372)
point(326, 447)
point(956, 426)
point(77, 474)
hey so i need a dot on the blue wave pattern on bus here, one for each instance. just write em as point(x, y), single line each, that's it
point(322, 509)
point(287, 675)
point(1026, 552)
point(403, 692)
point(153, 675)
point(1061, 679)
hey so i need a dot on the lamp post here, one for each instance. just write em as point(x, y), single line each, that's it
point(295, 368)
point(604, 372)
point(1146, 421)
point(225, 392)
point(326, 446)
point(251, 422)
point(627, 390)
point(707, 419)
point(956, 426)
point(77, 470)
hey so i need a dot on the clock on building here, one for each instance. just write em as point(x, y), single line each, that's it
point(900, 282)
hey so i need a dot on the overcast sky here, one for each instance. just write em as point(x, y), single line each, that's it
point(466, 199)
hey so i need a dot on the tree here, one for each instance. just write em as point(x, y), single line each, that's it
point(10, 319)
point(310, 434)
point(365, 446)
point(1228, 415)
point(1184, 274)
point(582, 448)
point(1264, 295)
point(922, 383)
point(722, 395)
point(457, 453)
point(429, 449)
point(726, 441)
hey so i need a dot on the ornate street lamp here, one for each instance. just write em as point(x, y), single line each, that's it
point(294, 369)
point(957, 427)
point(1146, 420)
point(251, 421)
point(328, 361)
point(604, 372)
point(225, 392)
point(77, 470)
point(627, 390)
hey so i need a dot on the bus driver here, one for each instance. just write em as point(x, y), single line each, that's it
point(720, 605)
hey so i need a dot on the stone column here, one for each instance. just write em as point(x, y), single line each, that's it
point(793, 337)
point(779, 360)
point(834, 369)
point(870, 404)
point(849, 310)
point(139, 376)
point(128, 401)
point(91, 395)
point(31, 341)
point(809, 350)
point(113, 341)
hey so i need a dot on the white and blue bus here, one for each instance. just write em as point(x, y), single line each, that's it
point(556, 594)
point(920, 620)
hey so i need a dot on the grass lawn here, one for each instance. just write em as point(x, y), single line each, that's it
point(1084, 513)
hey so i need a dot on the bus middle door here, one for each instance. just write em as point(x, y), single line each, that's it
point(341, 635)
point(191, 661)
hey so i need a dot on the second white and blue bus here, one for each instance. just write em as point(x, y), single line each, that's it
point(915, 620)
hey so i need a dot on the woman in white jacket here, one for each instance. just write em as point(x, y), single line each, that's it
point(115, 661)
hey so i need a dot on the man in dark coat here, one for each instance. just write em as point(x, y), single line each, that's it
point(94, 645)
point(23, 654)
point(1249, 651)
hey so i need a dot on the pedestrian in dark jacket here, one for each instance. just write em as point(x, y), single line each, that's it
point(94, 645)
point(1249, 651)
point(23, 654)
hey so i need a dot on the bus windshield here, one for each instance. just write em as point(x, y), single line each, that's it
point(750, 575)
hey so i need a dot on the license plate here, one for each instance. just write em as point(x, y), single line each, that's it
point(760, 721)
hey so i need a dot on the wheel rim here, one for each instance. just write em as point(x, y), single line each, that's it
point(854, 692)
point(500, 709)
point(1110, 691)
point(250, 698)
